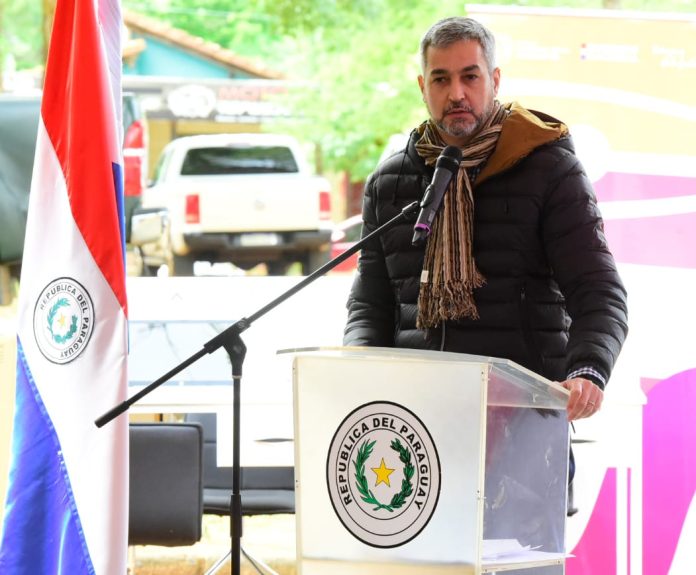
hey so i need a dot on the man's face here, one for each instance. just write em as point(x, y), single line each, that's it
point(458, 89)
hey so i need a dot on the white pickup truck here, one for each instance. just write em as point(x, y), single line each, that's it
point(240, 198)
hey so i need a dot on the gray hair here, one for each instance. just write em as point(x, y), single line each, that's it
point(451, 30)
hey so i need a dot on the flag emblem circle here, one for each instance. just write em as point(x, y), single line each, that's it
point(383, 474)
point(63, 320)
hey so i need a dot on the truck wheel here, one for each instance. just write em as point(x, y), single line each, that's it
point(278, 268)
point(312, 261)
point(246, 266)
point(150, 271)
point(183, 265)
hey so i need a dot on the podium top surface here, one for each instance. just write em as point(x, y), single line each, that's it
point(541, 392)
point(400, 353)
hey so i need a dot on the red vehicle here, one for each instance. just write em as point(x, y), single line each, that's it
point(344, 236)
point(134, 156)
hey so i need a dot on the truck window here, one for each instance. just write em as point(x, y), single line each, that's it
point(161, 167)
point(239, 160)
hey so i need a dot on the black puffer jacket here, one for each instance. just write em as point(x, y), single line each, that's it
point(553, 300)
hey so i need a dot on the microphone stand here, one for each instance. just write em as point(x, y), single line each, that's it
point(230, 340)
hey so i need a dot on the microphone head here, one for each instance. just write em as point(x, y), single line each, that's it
point(449, 159)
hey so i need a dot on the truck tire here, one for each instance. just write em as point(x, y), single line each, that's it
point(150, 271)
point(277, 268)
point(183, 265)
point(312, 261)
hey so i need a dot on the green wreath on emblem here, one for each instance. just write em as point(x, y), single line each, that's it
point(62, 302)
point(364, 452)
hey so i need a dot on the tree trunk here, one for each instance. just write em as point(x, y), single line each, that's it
point(49, 10)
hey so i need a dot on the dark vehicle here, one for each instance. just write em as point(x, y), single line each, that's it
point(19, 117)
point(19, 120)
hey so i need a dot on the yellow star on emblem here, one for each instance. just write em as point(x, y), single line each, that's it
point(383, 473)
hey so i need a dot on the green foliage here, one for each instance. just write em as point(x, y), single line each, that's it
point(238, 25)
point(298, 17)
point(21, 34)
point(364, 83)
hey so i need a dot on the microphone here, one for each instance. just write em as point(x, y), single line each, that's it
point(446, 166)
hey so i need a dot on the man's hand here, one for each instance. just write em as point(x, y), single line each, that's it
point(585, 398)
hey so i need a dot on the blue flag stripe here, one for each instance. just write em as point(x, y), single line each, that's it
point(40, 500)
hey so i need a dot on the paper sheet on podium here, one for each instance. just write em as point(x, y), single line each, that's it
point(505, 551)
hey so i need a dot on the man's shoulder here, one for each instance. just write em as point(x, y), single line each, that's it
point(403, 160)
point(395, 143)
point(393, 163)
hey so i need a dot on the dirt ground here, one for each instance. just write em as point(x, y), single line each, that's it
point(268, 539)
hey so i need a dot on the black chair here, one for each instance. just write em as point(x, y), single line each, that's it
point(264, 490)
point(166, 484)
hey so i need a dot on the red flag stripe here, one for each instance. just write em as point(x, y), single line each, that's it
point(78, 115)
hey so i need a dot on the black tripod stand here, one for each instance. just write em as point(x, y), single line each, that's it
point(230, 339)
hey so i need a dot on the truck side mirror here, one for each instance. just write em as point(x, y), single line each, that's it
point(148, 225)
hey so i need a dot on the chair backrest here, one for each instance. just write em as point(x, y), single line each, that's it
point(166, 484)
point(264, 490)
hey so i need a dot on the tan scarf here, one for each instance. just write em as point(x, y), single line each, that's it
point(449, 273)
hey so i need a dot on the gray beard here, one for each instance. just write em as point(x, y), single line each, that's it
point(459, 129)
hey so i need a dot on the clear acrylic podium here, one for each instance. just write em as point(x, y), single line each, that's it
point(427, 462)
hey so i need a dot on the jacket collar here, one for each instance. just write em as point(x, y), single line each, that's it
point(523, 132)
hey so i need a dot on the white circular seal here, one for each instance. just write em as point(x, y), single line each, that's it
point(63, 320)
point(383, 474)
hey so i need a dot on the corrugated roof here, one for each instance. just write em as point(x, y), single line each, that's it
point(211, 50)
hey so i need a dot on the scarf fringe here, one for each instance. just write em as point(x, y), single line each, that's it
point(450, 300)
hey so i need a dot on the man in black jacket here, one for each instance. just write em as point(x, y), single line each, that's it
point(517, 265)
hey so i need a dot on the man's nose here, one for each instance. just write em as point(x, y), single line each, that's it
point(458, 92)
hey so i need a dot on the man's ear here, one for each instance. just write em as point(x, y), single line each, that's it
point(421, 84)
point(496, 80)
